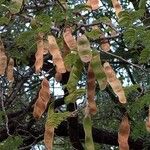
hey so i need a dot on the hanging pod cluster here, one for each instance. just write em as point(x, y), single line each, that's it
point(42, 48)
point(42, 100)
point(6, 64)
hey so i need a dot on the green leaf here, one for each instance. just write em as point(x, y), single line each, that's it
point(11, 143)
point(131, 89)
point(15, 6)
point(70, 59)
point(93, 34)
point(130, 37)
point(145, 56)
point(72, 97)
point(139, 104)
point(25, 38)
point(4, 20)
point(142, 4)
point(54, 119)
point(75, 75)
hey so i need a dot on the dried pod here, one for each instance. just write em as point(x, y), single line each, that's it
point(56, 54)
point(48, 136)
point(39, 53)
point(98, 70)
point(84, 49)
point(69, 39)
point(3, 59)
point(123, 134)
point(87, 125)
point(94, 4)
point(43, 99)
point(66, 50)
point(58, 76)
point(105, 46)
point(117, 6)
point(46, 47)
point(114, 82)
point(91, 91)
point(9, 71)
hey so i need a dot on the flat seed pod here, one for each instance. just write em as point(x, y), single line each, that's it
point(46, 47)
point(117, 6)
point(114, 82)
point(39, 53)
point(91, 91)
point(48, 136)
point(105, 46)
point(123, 134)
point(93, 3)
point(66, 50)
point(55, 52)
point(49, 128)
point(3, 59)
point(69, 39)
point(43, 99)
point(9, 71)
point(84, 49)
point(98, 70)
point(58, 76)
point(87, 125)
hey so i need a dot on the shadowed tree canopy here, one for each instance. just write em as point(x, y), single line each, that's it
point(74, 74)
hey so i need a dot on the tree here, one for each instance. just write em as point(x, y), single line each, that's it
point(92, 50)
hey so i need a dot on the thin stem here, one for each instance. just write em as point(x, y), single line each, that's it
point(116, 56)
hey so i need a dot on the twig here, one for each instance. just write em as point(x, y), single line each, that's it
point(116, 56)
point(4, 111)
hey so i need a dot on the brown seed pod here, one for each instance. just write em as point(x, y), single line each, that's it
point(93, 3)
point(117, 6)
point(91, 91)
point(48, 136)
point(69, 39)
point(39, 53)
point(46, 47)
point(123, 134)
point(56, 54)
point(43, 99)
point(58, 76)
point(105, 46)
point(114, 82)
point(9, 71)
point(3, 59)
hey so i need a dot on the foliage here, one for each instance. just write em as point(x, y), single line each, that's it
point(11, 143)
point(75, 35)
